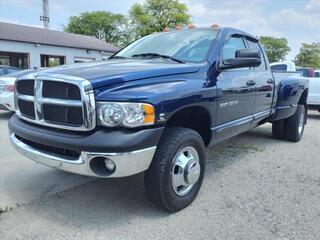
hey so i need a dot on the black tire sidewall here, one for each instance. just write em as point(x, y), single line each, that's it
point(292, 126)
point(278, 129)
point(158, 179)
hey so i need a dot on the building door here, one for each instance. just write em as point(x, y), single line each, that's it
point(19, 60)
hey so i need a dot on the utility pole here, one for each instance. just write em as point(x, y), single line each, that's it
point(45, 17)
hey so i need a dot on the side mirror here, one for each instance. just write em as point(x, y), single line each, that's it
point(243, 58)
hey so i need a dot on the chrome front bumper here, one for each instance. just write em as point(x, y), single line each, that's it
point(127, 164)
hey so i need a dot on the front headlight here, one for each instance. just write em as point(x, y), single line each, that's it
point(111, 114)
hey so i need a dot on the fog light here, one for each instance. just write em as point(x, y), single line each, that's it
point(110, 165)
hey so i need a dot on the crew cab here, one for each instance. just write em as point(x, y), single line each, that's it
point(154, 107)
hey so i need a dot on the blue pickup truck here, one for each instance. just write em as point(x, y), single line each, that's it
point(154, 107)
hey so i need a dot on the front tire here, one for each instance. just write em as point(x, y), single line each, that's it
point(177, 169)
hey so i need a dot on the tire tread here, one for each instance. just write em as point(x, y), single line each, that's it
point(292, 125)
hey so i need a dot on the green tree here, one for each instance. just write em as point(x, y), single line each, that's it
point(103, 25)
point(276, 48)
point(309, 55)
point(156, 15)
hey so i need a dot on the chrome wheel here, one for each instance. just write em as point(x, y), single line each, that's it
point(301, 124)
point(185, 170)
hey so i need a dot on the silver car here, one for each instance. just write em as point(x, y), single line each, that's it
point(7, 89)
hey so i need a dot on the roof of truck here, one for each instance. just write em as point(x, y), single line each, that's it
point(222, 29)
point(229, 29)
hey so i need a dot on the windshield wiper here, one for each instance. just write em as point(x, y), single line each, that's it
point(156, 55)
point(117, 57)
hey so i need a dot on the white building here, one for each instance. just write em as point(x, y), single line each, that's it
point(28, 47)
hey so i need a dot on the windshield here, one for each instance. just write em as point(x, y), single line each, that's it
point(184, 45)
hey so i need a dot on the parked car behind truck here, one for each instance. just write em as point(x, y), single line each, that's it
point(283, 66)
point(314, 94)
point(306, 71)
point(313, 76)
point(4, 70)
point(5, 102)
point(154, 107)
point(7, 89)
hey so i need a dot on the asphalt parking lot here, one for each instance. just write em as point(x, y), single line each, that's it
point(255, 187)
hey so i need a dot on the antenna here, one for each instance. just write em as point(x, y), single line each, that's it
point(45, 17)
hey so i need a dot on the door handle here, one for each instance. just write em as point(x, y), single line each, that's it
point(251, 83)
point(270, 81)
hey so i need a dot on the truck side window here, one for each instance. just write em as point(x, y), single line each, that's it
point(234, 43)
point(255, 44)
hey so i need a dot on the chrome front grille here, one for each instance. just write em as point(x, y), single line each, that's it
point(58, 101)
point(51, 89)
point(26, 87)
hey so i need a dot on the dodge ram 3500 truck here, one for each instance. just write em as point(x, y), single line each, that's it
point(154, 107)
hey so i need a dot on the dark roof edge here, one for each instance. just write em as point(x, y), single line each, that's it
point(53, 37)
point(96, 49)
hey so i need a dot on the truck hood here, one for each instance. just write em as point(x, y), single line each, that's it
point(117, 71)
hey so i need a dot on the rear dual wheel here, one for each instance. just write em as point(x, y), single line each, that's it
point(278, 129)
point(292, 128)
point(177, 170)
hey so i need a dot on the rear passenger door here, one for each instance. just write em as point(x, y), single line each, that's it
point(264, 88)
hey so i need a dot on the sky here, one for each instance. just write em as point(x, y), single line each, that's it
point(296, 20)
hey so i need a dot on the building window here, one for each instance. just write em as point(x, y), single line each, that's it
point(83, 59)
point(51, 61)
point(19, 60)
